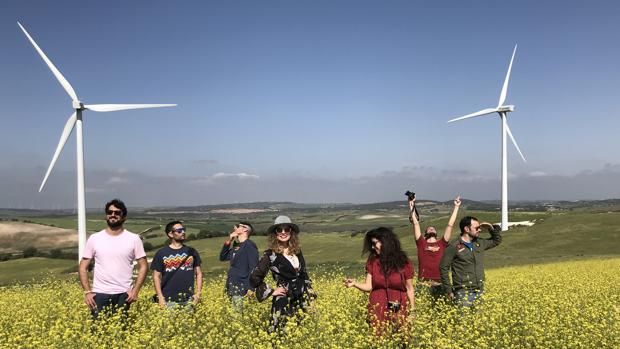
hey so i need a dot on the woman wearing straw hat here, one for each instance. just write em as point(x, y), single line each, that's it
point(293, 288)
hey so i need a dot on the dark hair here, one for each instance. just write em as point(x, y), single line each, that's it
point(249, 225)
point(392, 257)
point(119, 204)
point(466, 222)
point(171, 225)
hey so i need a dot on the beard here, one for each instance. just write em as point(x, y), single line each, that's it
point(117, 224)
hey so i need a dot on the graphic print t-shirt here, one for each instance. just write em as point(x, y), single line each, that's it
point(179, 287)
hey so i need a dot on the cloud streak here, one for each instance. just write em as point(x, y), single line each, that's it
point(141, 189)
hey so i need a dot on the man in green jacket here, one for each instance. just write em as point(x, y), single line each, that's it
point(465, 258)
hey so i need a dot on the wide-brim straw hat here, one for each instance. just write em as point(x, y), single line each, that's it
point(283, 221)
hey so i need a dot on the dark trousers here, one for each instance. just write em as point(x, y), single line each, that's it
point(110, 303)
point(283, 307)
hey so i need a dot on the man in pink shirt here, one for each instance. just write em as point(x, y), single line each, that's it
point(430, 251)
point(114, 250)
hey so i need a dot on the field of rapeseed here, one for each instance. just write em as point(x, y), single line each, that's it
point(563, 305)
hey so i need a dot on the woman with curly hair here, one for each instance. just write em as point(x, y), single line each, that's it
point(284, 259)
point(389, 279)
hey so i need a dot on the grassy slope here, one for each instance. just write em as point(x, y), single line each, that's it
point(579, 234)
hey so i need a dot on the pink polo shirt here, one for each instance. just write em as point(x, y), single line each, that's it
point(114, 256)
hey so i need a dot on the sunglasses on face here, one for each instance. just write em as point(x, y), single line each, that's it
point(179, 230)
point(242, 226)
point(283, 229)
point(114, 212)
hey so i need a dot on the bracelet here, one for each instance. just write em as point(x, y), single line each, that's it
point(87, 292)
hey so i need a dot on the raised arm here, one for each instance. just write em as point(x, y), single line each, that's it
point(448, 232)
point(496, 237)
point(417, 233)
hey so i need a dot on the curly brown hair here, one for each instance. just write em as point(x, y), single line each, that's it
point(294, 246)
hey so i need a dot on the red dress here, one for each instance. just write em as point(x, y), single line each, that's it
point(377, 304)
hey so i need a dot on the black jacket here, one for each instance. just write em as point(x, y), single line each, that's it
point(242, 261)
point(295, 281)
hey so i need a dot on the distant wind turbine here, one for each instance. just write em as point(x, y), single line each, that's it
point(503, 111)
point(75, 121)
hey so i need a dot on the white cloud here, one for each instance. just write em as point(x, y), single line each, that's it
point(116, 180)
point(234, 175)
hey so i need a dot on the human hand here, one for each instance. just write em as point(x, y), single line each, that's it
point(132, 295)
point(487, 225)
point(451, 296)
point(233, 234)
point(280, 291)
point(196, 298)
point(89, 299)
point(349, 282)
point(457, 201)
point(161, 302)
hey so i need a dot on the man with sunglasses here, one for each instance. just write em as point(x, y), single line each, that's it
point(465, 259)
point(243, 256)
point(114, 250)
point(174, 269)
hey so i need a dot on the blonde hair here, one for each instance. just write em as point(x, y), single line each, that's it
point(294, 246)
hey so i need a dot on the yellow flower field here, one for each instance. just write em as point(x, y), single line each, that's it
point(563, 305)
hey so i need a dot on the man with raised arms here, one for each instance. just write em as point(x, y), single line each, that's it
point(430, 251)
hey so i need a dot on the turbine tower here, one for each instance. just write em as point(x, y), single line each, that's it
point(75, 121)
point(503, 111)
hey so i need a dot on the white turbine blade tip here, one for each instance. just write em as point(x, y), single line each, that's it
point(502, 96)
point(66, 132)
point(514, 141)
point(476, 114)
point(61, 79)
point(117, 107)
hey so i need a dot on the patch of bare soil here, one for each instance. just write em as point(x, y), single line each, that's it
point(16, 236)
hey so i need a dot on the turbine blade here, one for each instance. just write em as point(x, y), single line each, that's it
point(478, 113)
point(117, 107)
point(502, 96)
point(65, 84)
point(63, 139)
point(514, 142)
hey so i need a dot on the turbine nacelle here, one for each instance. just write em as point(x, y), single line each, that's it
point(505, 108)
point(77, 105)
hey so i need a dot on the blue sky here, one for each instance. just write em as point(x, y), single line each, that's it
point(310, 101)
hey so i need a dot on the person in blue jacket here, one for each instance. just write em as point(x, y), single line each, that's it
point(243, 256)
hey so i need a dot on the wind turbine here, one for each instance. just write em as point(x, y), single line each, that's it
point(503, 111)
point(75, 121)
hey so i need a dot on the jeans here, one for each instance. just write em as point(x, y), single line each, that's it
point(110, 303)
point(187, 305)
point(237, 303)
point(467, 298)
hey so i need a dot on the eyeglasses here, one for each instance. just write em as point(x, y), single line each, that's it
point(114, 212)
point(242, 226)
point(476, 228)
point(179, 230)
point(283, 229)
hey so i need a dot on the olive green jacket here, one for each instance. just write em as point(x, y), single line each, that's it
point(467, 265)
